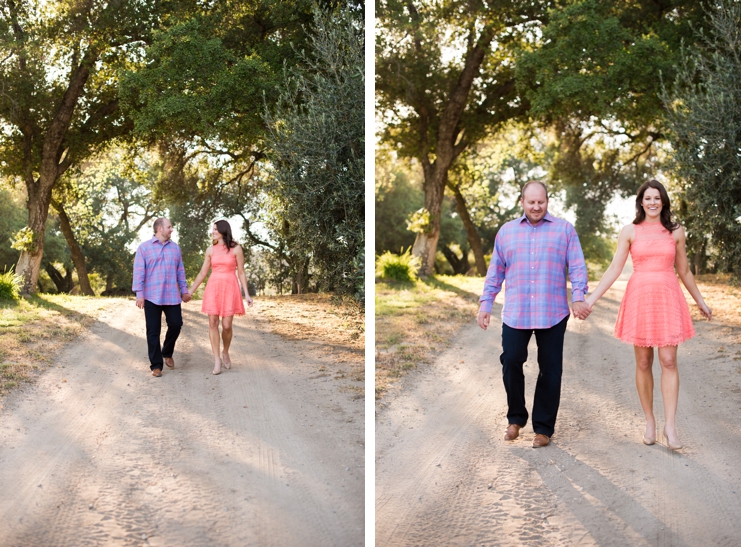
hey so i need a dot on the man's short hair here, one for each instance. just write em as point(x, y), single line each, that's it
point(528, 183)
point(159, 223)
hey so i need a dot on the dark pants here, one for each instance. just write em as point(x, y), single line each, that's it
point(153, 318)
point(548, 386)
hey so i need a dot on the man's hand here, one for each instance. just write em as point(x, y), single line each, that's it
point(140, 303)
point(186, 297)
point(581, 310)
point(483, 319)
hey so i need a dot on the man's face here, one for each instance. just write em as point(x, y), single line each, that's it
point(534, 202)
point(166, 229)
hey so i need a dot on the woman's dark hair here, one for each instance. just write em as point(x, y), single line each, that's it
point(666, 212)
point(226, 231)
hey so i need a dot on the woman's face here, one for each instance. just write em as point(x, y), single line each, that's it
point(215, 234)
point(652, 203)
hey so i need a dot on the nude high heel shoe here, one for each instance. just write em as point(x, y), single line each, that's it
point(669, 444)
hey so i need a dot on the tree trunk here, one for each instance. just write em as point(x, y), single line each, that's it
point(472, 233)
point(53, 164)
point(77, 257)
point(29, 263)
point(460, 265)
point(64, 284)
point(450, 143)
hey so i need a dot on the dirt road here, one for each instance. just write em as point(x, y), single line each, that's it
point(444, 476)
point(98, 452)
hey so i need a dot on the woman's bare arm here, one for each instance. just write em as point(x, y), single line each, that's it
point(203, 273)
point(616, 266)
point(683, 270)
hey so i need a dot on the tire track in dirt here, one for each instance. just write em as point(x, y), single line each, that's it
point(596, 484)
point(186, 459)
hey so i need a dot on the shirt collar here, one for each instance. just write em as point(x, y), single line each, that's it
point(155, 240)
point(547, 217)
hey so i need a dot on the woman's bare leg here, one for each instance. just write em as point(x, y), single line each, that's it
point(226, 336)
point(670, 392)
point(645, 386)
point(213, 335)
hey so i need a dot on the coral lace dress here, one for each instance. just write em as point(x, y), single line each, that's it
point(654, 312)
point(222, 296)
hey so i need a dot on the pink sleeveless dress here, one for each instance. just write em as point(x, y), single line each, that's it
point(654, 312)
point(222, 296)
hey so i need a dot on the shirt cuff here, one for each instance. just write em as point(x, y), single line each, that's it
point(486, 306)
point(577, 295)
point(140, 294)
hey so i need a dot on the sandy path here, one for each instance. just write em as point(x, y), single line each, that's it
point(444, 476)
point(267, 454)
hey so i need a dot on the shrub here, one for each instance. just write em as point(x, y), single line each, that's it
point(401, 267)
point(10, 285)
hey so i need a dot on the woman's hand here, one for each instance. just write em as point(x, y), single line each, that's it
point(249, 301)
point(705, 311)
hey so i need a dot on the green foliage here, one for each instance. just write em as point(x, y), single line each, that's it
point(10, 285)
point(316, 183)
point(398, 267)
point(704, 114)
point(398, 194)
point(593, 78)
point(23, 240)
point(12, 219)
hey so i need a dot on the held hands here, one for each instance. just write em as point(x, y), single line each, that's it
point(186, 297)
point(581, 310)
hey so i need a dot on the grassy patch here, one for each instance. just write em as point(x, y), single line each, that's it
point(416, 320)
point(33, 330)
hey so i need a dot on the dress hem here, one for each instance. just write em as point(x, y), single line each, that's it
point(654, 344)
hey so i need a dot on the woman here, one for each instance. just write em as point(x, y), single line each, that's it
point(222, 297)
point(653, 312)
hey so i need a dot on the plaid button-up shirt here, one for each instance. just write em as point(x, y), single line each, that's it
point(159, 274)
point(534, 261)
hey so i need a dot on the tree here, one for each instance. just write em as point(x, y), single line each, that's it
point(704, 115)
point(316, 181)
point(593, 80)
point(445, 80)
point(58, 94)
point(109, 200)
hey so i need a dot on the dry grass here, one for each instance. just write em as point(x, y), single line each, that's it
point(338, 326)
point(416, 321)
point(33, 330)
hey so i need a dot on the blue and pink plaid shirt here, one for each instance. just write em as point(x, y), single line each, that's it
point(159, 274)
point(534, 261)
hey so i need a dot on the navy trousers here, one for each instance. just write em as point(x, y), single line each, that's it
point(548, 386)
point(153, 318)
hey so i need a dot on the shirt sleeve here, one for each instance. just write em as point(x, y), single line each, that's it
point(139, 273)
point(577, 267)
point(494, 277)
point(182, 282)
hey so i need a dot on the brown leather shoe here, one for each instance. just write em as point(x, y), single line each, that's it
point(512, 432)
point(540, 440)
point(170, 362)
point(157, 372)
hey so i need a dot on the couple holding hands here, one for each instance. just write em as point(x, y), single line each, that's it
point(160, 286)
point(533, 254)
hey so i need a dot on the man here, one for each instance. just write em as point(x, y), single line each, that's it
point(533, 253)
point(160, 285)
